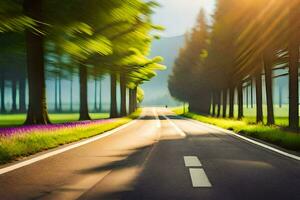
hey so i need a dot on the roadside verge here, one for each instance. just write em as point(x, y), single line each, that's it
point(29, 140)
point(268, 137)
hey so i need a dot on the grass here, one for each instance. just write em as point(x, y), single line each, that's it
point(280, 113)
point(18, 119)
point(271, 134)
point(39, 139)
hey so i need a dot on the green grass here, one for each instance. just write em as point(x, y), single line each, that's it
point(271, 134)
point(281, 114)
point(18, 119)
point(18, 146)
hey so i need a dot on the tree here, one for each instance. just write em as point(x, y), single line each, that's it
point(2, 93)
point(84, 113)
point(293, 49)
point(113, 96)
point(189, 66)
point(269, 88)
point(258, 86)
point(37, 110)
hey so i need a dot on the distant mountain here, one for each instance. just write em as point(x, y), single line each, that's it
point(156, 91)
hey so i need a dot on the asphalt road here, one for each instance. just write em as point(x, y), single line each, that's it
point(169, 158)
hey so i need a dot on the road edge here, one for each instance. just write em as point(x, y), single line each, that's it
point(43, 155)
point(246, 139)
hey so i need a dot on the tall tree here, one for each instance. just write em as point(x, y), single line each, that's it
point(95, 94)
point(14, 95)
point(189, 65)
point(71, 93)
point(113, 96)
point(84, 111)
point(2, 93)
point(224, 101)
point(22, 94)
point(231, 101)
point(240, 101)
point(259, 102)
point(100, 95)
point(294, 57)
point(123, 94)
point(37, 110)
point(269, 88)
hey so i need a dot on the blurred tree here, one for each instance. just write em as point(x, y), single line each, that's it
point(12, 18)
point(294, 58)
point(37, 110)
point(184, 83)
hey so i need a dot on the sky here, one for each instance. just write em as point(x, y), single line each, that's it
point(178, 16)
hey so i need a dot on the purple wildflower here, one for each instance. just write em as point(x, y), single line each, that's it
point(27, 129)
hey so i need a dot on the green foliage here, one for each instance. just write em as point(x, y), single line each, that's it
point(84, 47)
point(12, 19)
point(140, 95)
point(185, 83)
point(103, 36)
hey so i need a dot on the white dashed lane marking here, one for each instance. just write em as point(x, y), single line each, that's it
point(199, 178)
point(197, 173)
point(192, 161)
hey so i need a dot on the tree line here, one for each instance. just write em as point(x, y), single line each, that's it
point(60, 39)
point(244, 44)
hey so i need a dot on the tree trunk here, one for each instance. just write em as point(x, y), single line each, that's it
point(247, 96)
point(55, 95)
point(131, 109)
point(231, 102)
point(240, 101)
point(100, 96)
point(59, 94)
point(22, 95)
point(95, 95)
point(14, 96)
point(219, 103)
point(251, 92)
point(71, 94)
point(280, 96)
point(224, 102)
point(269, 89)
point(294, 57)
point(214, 104)
point(259, 108)
point(113, 96)
point(2, 87)
point(293, 87)
point(37, 111)
point(123, 95)
point(84, 111)
point(130, 101)
point(134, 99)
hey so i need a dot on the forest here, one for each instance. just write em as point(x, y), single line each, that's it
point(74, 40)
point(240, 57)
